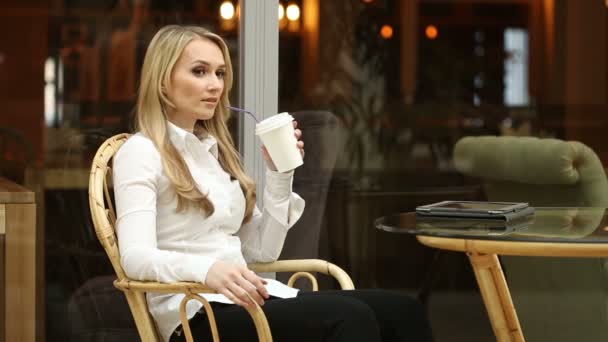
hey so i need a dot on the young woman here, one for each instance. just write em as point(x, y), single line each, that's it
point(186, 212)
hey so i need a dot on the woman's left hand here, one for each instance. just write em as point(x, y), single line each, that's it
point(300, 144)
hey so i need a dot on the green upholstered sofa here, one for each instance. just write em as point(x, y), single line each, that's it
point(557, 299)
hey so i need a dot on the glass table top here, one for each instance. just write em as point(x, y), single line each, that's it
point(555, 224)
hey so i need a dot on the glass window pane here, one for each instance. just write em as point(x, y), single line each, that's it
point(69, 72)
point(405, 82)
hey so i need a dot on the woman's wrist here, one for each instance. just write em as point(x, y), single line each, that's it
point(279, 184)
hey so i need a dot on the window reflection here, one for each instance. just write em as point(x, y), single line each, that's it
point(69, 80)
point(516, 68)
point(51, 85)
point(408, 79)
point(399, 98)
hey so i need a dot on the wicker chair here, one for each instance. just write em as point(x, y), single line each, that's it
point(104, 219)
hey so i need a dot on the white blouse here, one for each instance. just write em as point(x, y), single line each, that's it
point(158, 244)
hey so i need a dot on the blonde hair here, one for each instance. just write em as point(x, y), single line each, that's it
point(162, 54)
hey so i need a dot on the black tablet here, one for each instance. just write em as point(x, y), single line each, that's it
point(474, 209)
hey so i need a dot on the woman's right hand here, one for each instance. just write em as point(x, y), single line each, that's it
point(235, 282)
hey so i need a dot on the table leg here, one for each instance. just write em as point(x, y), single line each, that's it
point(496, 297)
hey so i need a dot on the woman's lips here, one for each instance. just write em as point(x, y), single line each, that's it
point(209, 103)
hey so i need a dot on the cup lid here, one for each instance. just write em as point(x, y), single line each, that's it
point(273, 122)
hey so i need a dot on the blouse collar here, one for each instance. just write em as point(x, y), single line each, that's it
point(182, 139)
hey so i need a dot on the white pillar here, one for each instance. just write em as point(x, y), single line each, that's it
point(258, 88)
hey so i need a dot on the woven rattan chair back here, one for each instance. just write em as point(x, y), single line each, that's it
point(104, 220)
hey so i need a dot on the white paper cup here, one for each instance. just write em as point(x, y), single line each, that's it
point(277, 135)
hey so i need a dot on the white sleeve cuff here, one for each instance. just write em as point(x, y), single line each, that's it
point(285, 206)
point(279, 184)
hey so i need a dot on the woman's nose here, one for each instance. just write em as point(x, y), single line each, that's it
point(214, 83)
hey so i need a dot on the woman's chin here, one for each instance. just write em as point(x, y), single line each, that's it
point(205, 115)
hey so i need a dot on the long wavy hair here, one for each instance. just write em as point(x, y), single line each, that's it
point(163, 52)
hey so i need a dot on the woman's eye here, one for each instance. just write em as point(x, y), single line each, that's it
point(220, 74)
point(198, 71)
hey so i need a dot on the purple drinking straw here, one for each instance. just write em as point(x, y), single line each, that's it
point(241, 110)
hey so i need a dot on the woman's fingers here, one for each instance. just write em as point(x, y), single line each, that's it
point(301, 147)
point(268, 159)
point(258, 283)
point(226, 292)
point(300, 143)
point(238, 283)
point(265, 152)
point(251, 289)
point(240, 293)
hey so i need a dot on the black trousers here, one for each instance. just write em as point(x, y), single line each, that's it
point(325, 316)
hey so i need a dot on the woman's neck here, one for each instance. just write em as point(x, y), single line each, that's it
point(186, 125)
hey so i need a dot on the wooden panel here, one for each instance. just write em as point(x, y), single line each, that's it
point(14, 193)
point(2, 223)
point(57, 179)
point(72, 178)
point(33, 181)
point(20, 272)
point(22, 69)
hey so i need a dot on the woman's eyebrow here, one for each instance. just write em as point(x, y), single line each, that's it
point(205, 63)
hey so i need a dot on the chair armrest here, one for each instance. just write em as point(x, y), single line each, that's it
point(192, 291)
point(150, 286)
point(307, 265)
